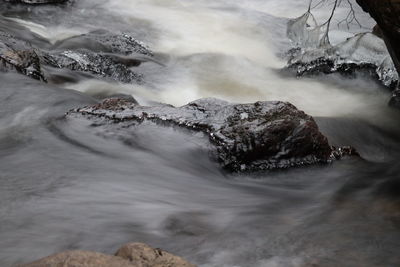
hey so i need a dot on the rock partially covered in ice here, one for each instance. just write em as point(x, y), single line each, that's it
point(246, 137)
point(101, 53)
point(364, 52)
point(19, 56)
point(129, 255)
point(103, 65)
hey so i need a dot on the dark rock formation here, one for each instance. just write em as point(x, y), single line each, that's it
point(101, 53)
point(130, 255)
point(19, 56)
point(326, 65)
point(246, 137)
point(100, 65)
point(387, 14)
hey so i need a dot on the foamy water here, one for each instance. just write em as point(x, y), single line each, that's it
point(229, 51)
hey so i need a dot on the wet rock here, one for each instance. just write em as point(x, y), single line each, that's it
point(100, 65)
point(18, 56)
point(101, 53)
point(345, 151)
point(130, 255)
point(245, 137)
point(325, 65)
point(104, 41)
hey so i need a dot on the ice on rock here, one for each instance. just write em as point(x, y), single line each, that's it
point(313, 53)
point(302, 34)
point(362, 48)
point(386, 71)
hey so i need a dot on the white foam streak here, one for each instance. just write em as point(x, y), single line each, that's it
point(52, 34)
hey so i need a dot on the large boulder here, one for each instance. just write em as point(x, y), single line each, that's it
point(129, 255)
point(246, 137)
point(19, 56)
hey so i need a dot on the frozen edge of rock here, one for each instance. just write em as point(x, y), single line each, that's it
point(246, 137)
point(362, 52)
point(129, 255)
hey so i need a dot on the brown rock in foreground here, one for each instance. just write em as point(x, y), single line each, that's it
point(144, 256)
point(129, 255)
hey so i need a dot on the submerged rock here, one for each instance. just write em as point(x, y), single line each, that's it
point(129, 255)
point(245, 137)
point(19, 56)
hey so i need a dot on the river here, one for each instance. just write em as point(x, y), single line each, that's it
point(64, 185)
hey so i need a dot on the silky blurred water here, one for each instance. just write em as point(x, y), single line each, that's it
point(67, 185)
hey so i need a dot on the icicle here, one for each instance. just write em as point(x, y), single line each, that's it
point(301, 34)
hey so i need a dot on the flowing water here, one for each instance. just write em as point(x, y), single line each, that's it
point(64, 185)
